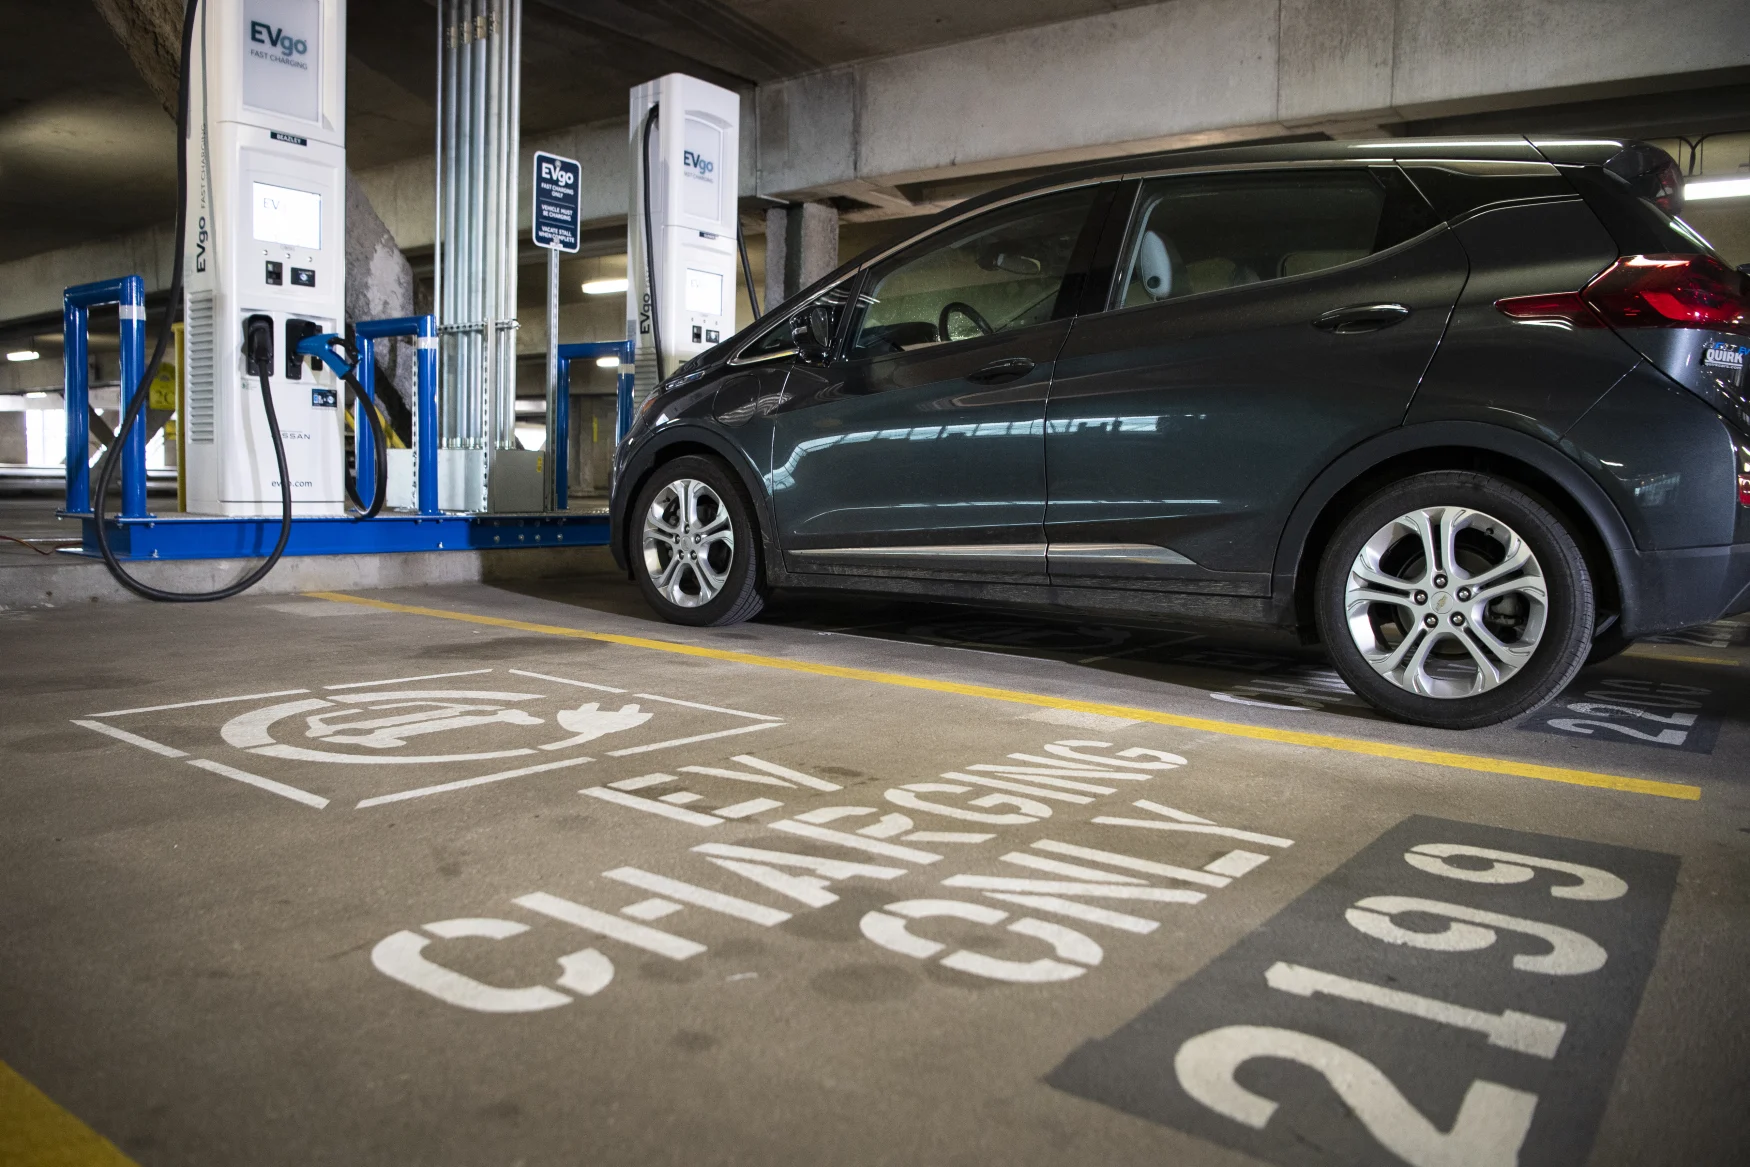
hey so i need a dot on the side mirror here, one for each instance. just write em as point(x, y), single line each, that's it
point(811, 333)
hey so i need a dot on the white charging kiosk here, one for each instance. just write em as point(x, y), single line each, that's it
point(266, 236)
point(693, 164)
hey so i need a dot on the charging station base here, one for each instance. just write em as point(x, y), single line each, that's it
point(200, 537)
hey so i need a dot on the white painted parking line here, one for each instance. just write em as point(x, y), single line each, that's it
point(566, 681)
point(708, 708)
point(687, 741)
point(192, 704)
point(403, 680)
point(133, 739)
point(256, 780)
point(461, 784)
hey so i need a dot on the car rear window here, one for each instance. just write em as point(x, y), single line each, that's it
point(1206, 232)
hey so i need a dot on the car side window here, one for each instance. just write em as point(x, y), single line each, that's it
point(996, 272)
point(1205, 232)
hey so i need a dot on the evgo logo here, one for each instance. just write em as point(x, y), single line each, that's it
point(278, 39)
point(694, 161)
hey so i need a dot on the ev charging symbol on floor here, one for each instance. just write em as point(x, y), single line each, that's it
point(368, 728)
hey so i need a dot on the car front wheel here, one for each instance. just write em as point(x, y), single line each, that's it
point(695, 544)
point(1455, 599)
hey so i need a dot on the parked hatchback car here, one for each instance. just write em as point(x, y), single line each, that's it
point(1466, 412)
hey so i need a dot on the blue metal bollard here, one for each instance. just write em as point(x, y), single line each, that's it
point(129, 294)
point(424, 330)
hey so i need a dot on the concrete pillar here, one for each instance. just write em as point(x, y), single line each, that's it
point(12, 444)
point(379, 285)
point(802, 244)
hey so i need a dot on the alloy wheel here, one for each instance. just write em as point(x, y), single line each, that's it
point(688, 543)
point(1446, 602)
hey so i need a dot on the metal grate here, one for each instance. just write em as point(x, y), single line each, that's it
point(198, 342)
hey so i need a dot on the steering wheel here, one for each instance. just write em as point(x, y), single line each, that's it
point(966, 310)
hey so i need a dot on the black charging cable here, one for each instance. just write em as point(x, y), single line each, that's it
point(321, 347)
point(746, 269)
point(379, 442)
point(650, 250)
point(257, 345)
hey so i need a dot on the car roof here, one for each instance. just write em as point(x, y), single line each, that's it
point(1506, 148)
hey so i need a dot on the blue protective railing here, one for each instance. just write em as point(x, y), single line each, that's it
point(562, 424)
point(129, 294)
point(424, 329)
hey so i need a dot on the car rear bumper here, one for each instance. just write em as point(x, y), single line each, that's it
point(1666, 590)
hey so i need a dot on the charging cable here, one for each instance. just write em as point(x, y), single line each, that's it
point(322, 346)
point(649, 249)
point(257, 347)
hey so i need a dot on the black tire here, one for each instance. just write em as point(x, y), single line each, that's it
point(741, 594)
point(1567, 620)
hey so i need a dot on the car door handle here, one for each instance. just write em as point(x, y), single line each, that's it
point(1362, 318)
point(1006, 369)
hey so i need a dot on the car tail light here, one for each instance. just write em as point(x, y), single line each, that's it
point(1671, 291)
point(1744, 490)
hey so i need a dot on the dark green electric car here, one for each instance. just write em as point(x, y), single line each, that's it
point(1465, 412)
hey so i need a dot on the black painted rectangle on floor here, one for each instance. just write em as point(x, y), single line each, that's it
point(1632, 710)
point(1453, 994)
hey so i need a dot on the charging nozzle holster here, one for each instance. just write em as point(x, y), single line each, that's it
point(320, 347)
point(258, 345)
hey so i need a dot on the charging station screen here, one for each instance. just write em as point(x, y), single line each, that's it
point(704, 292)
point(291, 217)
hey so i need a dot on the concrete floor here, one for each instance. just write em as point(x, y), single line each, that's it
point(293, 880)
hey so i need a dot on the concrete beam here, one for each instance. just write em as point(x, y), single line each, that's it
point(1175, 74)
point(32, 286)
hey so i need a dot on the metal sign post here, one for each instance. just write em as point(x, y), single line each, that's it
point(555, 228)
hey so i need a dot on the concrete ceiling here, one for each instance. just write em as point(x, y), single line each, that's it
point(86, 152)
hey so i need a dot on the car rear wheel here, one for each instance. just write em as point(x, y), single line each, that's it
point(1455, 599)
point(695, 545)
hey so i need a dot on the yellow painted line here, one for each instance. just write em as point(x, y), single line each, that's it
point(1208, 725)
point(34, 1132)
point(1654, 654)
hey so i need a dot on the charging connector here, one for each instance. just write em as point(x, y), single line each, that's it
point(258, 345)
point(298, 331)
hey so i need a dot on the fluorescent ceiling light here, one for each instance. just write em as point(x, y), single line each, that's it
point(607, 362)
point(1716, 188)
point(603, 287)
point(36, 394)
point(23, 354)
